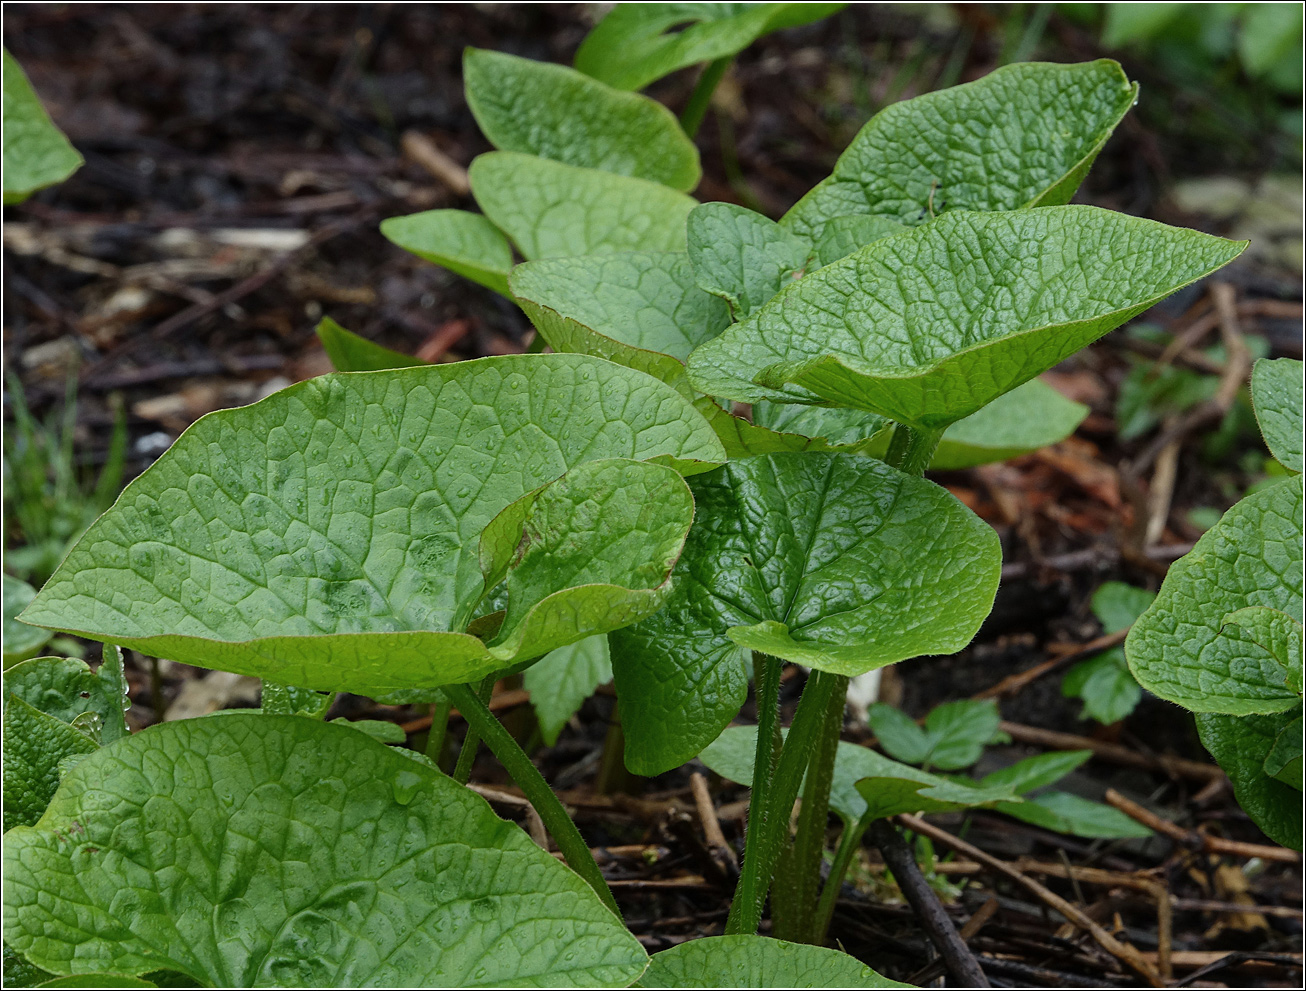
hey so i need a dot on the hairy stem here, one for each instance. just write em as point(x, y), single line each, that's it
point(471, 742)
point(773, 825)
point(911, 449)
point(766, 679)
point(696, 109)
point(536, 789)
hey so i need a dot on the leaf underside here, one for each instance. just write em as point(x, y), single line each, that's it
point(1240, 745)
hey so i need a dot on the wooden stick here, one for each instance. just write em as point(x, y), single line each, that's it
point(1123, 952)
point(1114, 752)
point(1011, 684)
point(716, 839)
point(1194, 840)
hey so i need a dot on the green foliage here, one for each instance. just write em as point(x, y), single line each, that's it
point(757, 962)
point(1104, 682)
point(954, 736)
point(465, 243)
point(638, 43)
point(36, 154)
point(350, 353)
point(20, 640)
point(307, 855)
point(1224, 636)
point(563, 679)
point(837, 562)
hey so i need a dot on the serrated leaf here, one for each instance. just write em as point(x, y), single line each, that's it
point(35, 743)
point(36, 153)
point(350, 353)
point(1277, 400)
point(834, 561)
point(297, 854)
point(1116, 605)
point(21, 641)
point(1062, 812)
point(549, 110)
point(1106, 685)
point(928, 326)
point(1240, 745)
point(1025, 135)
point(66, 688)
point(757, 962)
point(1037, 771)
point(1181, 649)
point(742, 256)
point(563, 679)
point(465, 243)
point(637, 43)
point(864, 782)
point(552, 210)
point(329, 536)
point(841, 236)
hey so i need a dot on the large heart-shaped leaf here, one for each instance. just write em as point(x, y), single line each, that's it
point(1025, 135)
point(1277, 399)
point(552, 210)
point(1185, 649)
point(329, 536)
point(757, 962)
point(256, 851)
point(36, 154)
point(928, 326)
point(465, 243)
point(865, 783)
point(1241, 745)
point(835, 561)
point(555, 112)
point(638, 43)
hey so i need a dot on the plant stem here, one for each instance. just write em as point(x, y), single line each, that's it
point(911, 449)
point(773, 824)
point(467, 755)
point(439, 727)
point(766, 679)
point(803, 872)
point(696, 109)
point(536, 789)
point(849, 842)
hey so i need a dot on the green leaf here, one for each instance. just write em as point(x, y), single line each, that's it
point(1037, 771)
point(841, 236)
point(552, 210)
point(66, 688)
point(1127, 23)
point(1117, 605)
point(1241, 745)
point(1278, 633)
point(286, 700)
point(1284, 761)
point(1106, 685)
point(1182, 650)
point(1063, 812)
point(329, 536)
point(98, 981)
point(555, 112)
point(277, 851)
point(563, 679)
point(35, 743)
point(1269, 32)
point(928, 326)
point(742, 256)
point(954, 736)
point(18, 973)
point(637, 43)
point(381, 730)
point(36, 154)
point(1025, 135)
point(350, 353)
point(465, 243)
point(833, 561)
point(864, 782)
point(20, 640)
point(898, 733)
point(757, 962)
point(1277, 400)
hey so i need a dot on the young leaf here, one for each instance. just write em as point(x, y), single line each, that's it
point(833, 561)
point(563, 679)
point(1241, 745)
point(552, 210)
point(462, 242)
point(898, 733)
point(66, 688)
point(1063, 812)
point(1182, 649)
point(1108, 689)
point(329, 536)
point(637, 43)
point(1025, 135)
point(1277, 400)
point(742, 256)
point(1116, 605)
point(20, 640)
point(350, 353)
point(864, 782)
point(757, 962)
point(549, 110)
point(928, 326)
point(36, 153)
point(1036, 772)
point(297, 854)
point(957, 732)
